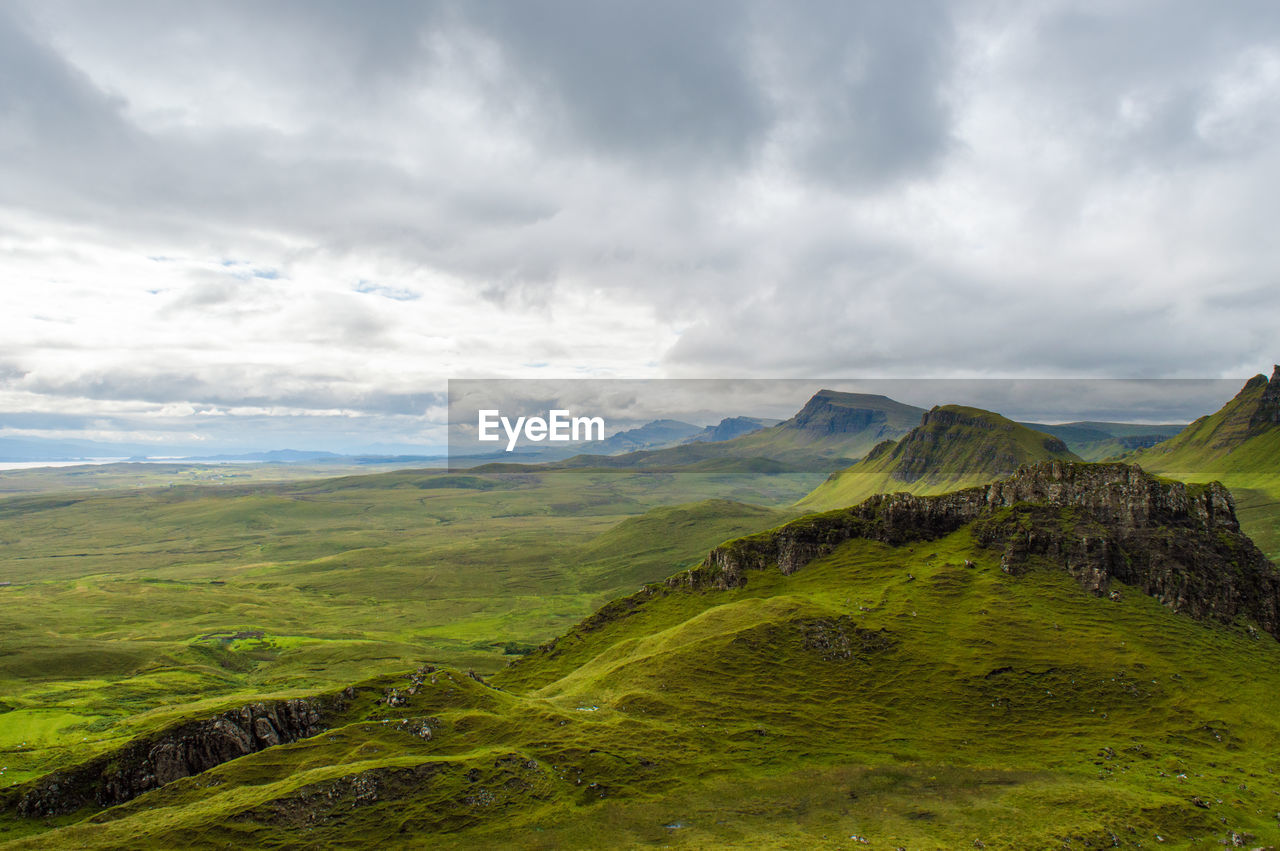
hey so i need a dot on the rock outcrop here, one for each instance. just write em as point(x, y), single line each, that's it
point(1101, 522)
point(1268, 412)
point(181, 751)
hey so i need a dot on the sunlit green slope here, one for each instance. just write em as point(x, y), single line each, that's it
point(1243, 437)
point(1238, 445)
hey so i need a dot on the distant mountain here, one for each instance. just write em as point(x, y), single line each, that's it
point(832, 429)
point(274, 456)
point(851, 418)
point(41, 449)
point(1242, 437)
point(631, 444)
point(952, 447)
point(1094, 441)
point(652, 435)
point(731, 427)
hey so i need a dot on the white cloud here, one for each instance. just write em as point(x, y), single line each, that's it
point(298, 208)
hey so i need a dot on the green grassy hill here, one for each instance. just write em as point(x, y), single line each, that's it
point(1243, 437)
point(953, 446)
point(832, 428)
point(893, 678)
point(1238, 445)
point(642, 547)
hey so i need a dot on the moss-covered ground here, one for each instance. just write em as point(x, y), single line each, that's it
point(125, 607)
point(892, 695)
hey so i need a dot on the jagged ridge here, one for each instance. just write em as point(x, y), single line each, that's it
point(1179, 543)
point(181, 751)
point(1268, 411)
point(1241, 436)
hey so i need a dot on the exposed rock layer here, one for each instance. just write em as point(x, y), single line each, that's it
point(181, 751)
point(1268, 412)
point(1179, 543)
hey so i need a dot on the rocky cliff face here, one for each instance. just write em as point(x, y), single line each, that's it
point(731, 427)
point(1268, 413)
point(831, 413)
point(822, 416)
point(182, 751)
point(1101, 522)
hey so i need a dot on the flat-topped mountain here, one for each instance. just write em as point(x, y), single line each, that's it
point(952, 446)
point(871, 416)
point(831, 427)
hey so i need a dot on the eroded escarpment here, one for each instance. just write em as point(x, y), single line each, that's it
point(1101, 522)
point(1268, 410)
point(184, 750)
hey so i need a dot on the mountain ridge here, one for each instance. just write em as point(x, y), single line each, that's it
point(953, 446)
point(1117, 501)
point(1242, 436)
point(832, 426)
point(1105, 522)
point(1095, 440)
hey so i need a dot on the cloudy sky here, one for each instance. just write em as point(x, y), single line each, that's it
point(289, 223)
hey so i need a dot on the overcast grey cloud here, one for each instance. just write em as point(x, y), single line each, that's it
point(317, 210)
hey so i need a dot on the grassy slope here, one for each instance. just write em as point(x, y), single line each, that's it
point(1222, 441)
point(955, 447)
point(1222, 446)
point(102, 634)
point(972, 705)
point(641, 548)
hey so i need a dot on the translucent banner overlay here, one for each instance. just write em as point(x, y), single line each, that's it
point(604, 422)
